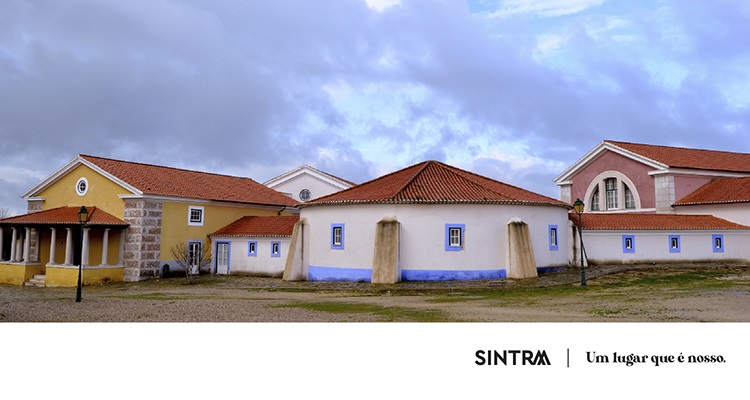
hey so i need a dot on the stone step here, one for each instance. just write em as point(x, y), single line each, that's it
point(37, 280)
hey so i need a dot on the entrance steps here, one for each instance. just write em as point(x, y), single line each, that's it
point(37, 280)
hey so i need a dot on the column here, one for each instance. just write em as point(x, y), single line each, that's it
point(19, 249)
point(85, 248)
point(105, 246)
point(26, 245)
point(122, 248)
point(69, 247)
point(13, 246)
point(52, 245)
point(1, 243)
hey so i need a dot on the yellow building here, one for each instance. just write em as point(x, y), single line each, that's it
point(137, 213)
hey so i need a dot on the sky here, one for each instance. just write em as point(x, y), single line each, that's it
point(516, 90)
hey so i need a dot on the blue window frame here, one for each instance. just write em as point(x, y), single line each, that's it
point(553, 244)
point(275, 249)
point(628, 244)
point(337, 236)
point(252, 249)
point(718, 243)
point(454, 237)
point(674, 244)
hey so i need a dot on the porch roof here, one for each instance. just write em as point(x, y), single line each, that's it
point(65, 216)
point(661, 222)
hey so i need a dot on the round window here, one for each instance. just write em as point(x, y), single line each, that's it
point(304, 195)
point(82, 186)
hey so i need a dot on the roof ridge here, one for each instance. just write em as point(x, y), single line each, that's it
point(663, 146)
point(409, 182)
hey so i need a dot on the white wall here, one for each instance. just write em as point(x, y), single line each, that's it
point(605, 247)
point(423, 235)
point(736, 212)
point(317, 187)
point(262, 264)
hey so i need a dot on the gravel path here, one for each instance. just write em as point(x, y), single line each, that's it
point(255, 299)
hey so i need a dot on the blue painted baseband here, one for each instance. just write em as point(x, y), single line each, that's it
point(332, 274)
point(547, 270)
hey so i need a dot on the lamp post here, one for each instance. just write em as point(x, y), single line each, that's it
point(83, 217)
point(579, 206)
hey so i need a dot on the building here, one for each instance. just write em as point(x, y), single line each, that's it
point(649, 203)
point(428, 222)
point(306, 183)
point(138, 212)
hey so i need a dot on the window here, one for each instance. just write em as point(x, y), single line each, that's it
point(275, 249)
point(82, 186)
point(718, 242)
point(305, 195)
point(628, 244)
point(553, 238)
point(195, 216)
point(337, 236)
point(595, 200)
point(674, 243)
point(454, 237)
point(195, 253)
point(611, 187)
point(629, 200)
point(252, 249)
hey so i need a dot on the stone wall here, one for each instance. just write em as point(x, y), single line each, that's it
point(142, 240)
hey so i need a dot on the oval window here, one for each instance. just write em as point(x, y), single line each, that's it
point(304, 195)
point(82, 186)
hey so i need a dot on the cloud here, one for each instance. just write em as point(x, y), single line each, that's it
point(543, 8)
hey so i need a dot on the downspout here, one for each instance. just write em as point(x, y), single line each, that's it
point(282, 210)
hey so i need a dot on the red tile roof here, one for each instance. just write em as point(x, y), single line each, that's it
point(679, 157)
point(640, 221)
point(432, 182)
point(260, 226)
point(719, 191)
point(174, 182)
point(64, 216)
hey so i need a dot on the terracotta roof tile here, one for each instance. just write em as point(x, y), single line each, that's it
point(719, 191)
point(435, 182)
point(260, 226)
point(174, 182)
point(640, 221)
point(680, 157)
point(64, 216)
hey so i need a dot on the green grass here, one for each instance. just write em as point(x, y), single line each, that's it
point(398, 314)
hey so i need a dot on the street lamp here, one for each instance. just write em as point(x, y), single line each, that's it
point(579, 206)
point(83, 217)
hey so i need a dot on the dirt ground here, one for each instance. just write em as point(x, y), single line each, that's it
point(650, 293)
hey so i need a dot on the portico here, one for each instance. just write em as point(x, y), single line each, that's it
point(51, 245)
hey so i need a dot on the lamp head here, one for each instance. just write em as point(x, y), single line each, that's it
point(578, 205)
point(83, 215)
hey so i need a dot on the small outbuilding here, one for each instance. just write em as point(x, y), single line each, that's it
point(429, 222)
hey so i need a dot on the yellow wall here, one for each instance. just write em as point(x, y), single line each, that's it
point(68, 277)
point(102, 192)
point(175, 228)
point(17, 274)
point(96, 236)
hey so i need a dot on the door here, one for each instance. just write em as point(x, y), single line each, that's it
point(222, 258)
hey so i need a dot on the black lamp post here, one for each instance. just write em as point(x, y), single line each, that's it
point(83, 217)
point(579, 206)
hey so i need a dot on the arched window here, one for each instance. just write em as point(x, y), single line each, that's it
point(629, 200)
point(610, 185)
point(612, 191)
point(595, 200)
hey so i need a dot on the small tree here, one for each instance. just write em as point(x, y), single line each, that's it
point(191, 257)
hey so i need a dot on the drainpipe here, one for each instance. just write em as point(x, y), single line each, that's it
point(282, 210)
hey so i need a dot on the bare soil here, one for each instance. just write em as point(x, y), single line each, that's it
point(633, 293)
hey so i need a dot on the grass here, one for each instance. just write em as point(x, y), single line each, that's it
point(384, 313)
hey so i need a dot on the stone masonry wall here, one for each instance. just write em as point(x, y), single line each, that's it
point(142, 240)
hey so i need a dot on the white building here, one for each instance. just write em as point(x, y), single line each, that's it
point(307, 183)
point(429, 222)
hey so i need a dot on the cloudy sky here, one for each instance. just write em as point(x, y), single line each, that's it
point(513, 89)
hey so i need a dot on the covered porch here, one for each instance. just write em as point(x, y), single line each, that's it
point(46, 248)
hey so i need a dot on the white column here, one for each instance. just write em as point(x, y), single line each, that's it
point(69, 247)
point(105, 246)
point(85, 248)
point(13, 246)
point(27, 245)
point(52, 246)
point(19, 249)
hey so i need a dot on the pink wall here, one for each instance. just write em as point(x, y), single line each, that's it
point(684, 185)
point(609, 161)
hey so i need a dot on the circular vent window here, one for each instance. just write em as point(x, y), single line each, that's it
point(304, 195)
point(82, 186)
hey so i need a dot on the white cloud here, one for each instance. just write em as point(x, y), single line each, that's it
point(544, 8)
point(381, 5)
